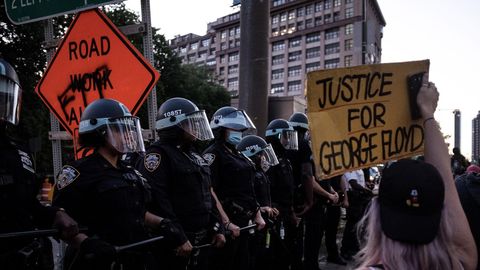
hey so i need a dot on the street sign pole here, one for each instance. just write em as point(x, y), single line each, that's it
point(148, 54)
point(54, 124)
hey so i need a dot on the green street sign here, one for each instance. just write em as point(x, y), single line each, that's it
point(26, 11)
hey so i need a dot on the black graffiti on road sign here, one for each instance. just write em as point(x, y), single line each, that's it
point(97, 81)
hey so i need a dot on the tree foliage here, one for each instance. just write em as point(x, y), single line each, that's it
point(23, 47)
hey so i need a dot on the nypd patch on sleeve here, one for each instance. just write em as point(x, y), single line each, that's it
point(152, 161)
point(67, 176)
point(209, 158)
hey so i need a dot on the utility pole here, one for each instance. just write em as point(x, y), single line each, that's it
point(254, 44)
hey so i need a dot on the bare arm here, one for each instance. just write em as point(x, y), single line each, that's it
point(436, 153)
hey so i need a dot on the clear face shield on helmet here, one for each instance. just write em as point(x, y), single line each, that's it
point(289, 139)
point(10, 100)
point(196, 124)
point(236, 120)
point(125, 134)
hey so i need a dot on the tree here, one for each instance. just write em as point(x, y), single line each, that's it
point(23, 47)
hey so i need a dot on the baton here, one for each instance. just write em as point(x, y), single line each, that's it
point(251, 226)
point(202, 246)
point(141, 243)
point(35, 233)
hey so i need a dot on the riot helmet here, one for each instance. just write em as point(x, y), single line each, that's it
point(298, 120)
point(111, 121)
point(232, 118)
point(253, 146)
point(182, 113)
point(284, 132)
point(10, 93)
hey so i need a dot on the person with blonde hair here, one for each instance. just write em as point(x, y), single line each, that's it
point(417, 221)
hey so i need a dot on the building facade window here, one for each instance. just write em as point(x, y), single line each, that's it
point(294, 71)
point(318, 20)
point(300, 11)
point(278, 2)
point(308, 9)
point(337, 3)
point(232, 69)
point(237, 31)
point(194, 46)
point(313, 37)
point(348, 1)
point(349, 29)
point(231, 32)
point(328, 4)
point(300, 26)
point(336, 16)
point(295, 42)
point(278, 46)
point(233, 56)
point(312, 66)
point(295, 56)
point(205, 42)
point(312, 53)
point(331, 33)
point(318, 6)
point(223, 35)
point(328, 18)
point(291, 15)
point(332, 63)
point(221, 71)
point(222, 58)
point(283, 17)
point(332, 48)
point(348, 44)
point(294, 86)
point(277, 88)
point(202, 54)
point(309, 23)
point(275, 19)
point(277, 74)
point(348, 60)
point(183, 49)
point(348, 12)
point(223, 45)
point(277, 59)
point(232, 84)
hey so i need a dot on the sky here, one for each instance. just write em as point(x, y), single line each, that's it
point(444, 31)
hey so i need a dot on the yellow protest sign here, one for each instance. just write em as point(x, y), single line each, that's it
point(360, 116)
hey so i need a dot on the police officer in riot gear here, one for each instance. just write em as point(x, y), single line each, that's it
point(232, 178)
point(285, 243)
point(19, 208)
point(104, 194)
point(180, 180)
point(263, 156)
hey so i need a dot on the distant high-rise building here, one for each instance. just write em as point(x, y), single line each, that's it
point(476, 138)
point(305, 35)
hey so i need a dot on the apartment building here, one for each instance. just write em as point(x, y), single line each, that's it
point(306, 35)
point(476, 138)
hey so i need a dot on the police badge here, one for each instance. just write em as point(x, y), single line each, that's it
point(152, 161)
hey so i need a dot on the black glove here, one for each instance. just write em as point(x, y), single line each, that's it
point(96, 252)
point(171, 232)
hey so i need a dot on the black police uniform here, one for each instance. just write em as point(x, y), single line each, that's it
point(261, 254)
point(180, 180)
point(19, 208)
point(110, 201)
point(285, 246)
point(297, 158)
point(232, 179)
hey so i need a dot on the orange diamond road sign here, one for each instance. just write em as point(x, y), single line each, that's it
point(95, 60)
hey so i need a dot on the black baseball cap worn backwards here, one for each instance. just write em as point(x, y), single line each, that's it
point(411, 197)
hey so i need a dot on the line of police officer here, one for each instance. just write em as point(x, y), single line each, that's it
point(205, 205)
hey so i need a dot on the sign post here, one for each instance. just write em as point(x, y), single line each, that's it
point(24, 11)
point(360, 116)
